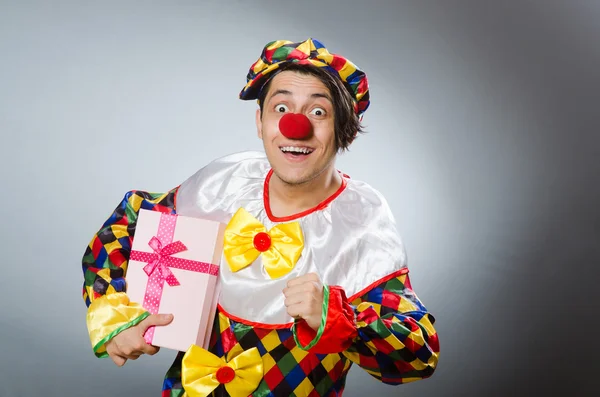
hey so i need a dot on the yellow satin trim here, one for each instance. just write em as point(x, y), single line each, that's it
point(199, 368)
point(287, 242)
point(110, 314)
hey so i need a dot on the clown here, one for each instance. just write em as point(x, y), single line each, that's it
point(313, 276)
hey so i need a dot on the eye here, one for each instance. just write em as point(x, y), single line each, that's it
point(281, 108)
point(318, 112)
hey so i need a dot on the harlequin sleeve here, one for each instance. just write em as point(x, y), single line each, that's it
point(386, 330)
point(105, 265)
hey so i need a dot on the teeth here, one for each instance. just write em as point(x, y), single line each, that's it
point(296, 149)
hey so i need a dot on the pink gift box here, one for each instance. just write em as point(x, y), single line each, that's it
point(174, 268)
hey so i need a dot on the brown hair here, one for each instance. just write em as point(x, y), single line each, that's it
point(346, 122)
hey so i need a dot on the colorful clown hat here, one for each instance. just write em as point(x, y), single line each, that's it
point(281, 52)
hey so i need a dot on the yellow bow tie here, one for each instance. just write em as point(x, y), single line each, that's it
point(202, 372)
point(246, 238)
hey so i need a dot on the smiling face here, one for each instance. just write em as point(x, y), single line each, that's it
point(297, 161)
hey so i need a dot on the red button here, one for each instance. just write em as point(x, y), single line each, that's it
point(225, 374)
point(262, 241)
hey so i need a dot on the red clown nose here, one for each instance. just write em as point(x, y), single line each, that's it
point(295, 126)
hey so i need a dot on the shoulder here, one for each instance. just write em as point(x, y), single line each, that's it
point(221, 170)
point(222, 180)
point(372, 222)
point(364, 201)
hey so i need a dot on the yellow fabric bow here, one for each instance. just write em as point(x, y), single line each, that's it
point(246, 238)
point(202, 372)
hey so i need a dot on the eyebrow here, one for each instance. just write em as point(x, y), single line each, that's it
point(315, 95)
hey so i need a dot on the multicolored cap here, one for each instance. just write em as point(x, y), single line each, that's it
point(281, 52)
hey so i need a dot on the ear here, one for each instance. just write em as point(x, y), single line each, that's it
point(258, 123)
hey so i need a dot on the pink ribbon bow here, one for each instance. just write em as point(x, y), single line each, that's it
point(158, 263)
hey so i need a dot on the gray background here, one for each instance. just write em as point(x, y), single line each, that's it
point(483, 137)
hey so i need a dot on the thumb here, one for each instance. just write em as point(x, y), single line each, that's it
point(157, 319)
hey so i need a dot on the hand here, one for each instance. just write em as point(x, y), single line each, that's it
point(304, 299)
point(130, 344)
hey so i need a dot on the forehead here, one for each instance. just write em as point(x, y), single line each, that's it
point(297, 82)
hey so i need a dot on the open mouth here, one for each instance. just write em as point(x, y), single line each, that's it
point(296, 151)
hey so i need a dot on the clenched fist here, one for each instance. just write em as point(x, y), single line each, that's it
point(304, 299)
point(130, 344)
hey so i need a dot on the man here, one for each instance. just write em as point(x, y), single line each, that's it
point(341, 296)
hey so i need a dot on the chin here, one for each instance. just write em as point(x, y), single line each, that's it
point(291, 178)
